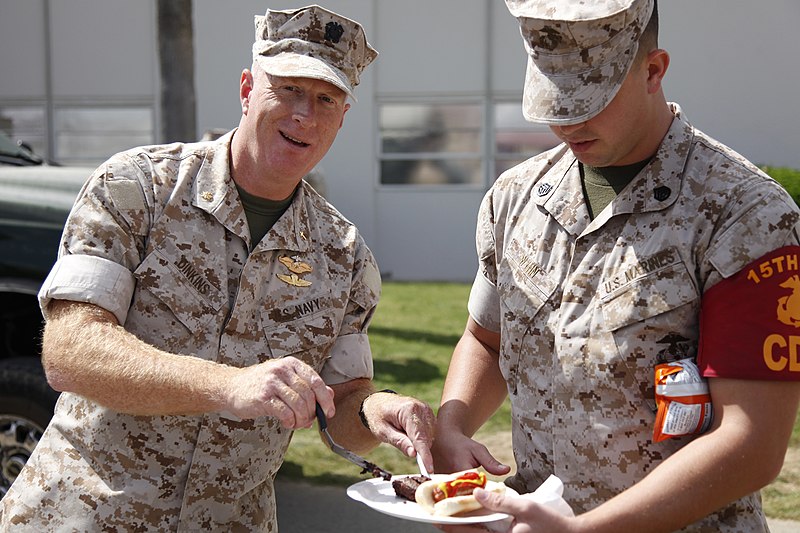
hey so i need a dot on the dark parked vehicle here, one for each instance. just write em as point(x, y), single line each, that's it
point(35, 199)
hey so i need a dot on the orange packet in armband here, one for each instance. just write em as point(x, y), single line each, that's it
point(683, 400)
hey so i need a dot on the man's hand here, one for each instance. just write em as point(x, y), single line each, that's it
point(528, 516)
point(454, 452)
point(286, 388)
point(402, 421)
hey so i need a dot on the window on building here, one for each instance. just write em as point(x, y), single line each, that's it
point(443, 144)
point(89, 135)
point(516, 139)
point(431, 144)
point(26, 124)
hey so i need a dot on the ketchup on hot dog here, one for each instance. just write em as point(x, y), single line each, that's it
point(463, 485)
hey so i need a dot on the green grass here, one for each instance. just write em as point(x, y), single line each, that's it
point(412, 336)
point(788, 177)
point(782, 497)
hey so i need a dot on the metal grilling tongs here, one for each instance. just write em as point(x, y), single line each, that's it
point(368, 467)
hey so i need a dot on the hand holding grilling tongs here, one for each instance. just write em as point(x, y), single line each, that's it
point(402, 421)
point(366, 466)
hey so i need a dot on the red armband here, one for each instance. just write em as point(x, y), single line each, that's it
point(750, 322)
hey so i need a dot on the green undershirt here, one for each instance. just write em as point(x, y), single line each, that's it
point(261, 213)
point(602, 184)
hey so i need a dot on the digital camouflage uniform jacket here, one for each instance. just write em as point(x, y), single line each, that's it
point(587, 308)
point(158, 236)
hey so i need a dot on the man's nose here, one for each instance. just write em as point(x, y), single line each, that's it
point(305, 112)
point(567, 130)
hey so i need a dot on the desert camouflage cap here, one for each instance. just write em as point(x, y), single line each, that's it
point(579, 53)
point(312, 42)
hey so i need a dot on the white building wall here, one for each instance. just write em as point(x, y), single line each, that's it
point(22, 29)
point(101, 49)
point(736, 73)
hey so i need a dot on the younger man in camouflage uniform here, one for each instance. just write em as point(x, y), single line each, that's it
point(204, 300)
point(639, 240)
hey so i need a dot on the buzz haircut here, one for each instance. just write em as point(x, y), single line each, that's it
point(648, 40)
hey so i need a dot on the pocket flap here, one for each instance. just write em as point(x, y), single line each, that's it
point(654, 293)
point(191, 298)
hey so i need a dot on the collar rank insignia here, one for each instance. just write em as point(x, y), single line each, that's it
point(293, 280)
point(662, 193)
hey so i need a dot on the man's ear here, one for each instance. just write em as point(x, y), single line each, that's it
point(657, 65)
point(341, 122)
point(245, 88)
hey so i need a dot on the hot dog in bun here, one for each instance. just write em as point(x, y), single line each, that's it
point(447, 495)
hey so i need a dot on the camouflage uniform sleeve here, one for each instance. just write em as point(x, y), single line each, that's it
point(103, 240)
point(745, 318)
point(764, 219)
point(484, 302)
point(351, 357)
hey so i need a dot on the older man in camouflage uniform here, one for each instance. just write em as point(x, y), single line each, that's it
point(638, 241)
point(204, 300)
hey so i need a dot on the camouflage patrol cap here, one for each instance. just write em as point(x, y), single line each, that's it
point(312, 42)
point(579, 53)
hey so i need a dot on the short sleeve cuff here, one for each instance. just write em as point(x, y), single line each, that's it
point(484, 303)
point(89, 279)
point(350, 358)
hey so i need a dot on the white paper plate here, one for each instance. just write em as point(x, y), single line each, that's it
point(379, 495)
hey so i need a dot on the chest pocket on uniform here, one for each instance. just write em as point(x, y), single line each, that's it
point(523, 285)
point(525, 289)
point(658, 291)
point(640, 315)
point(305, 329)
point(180, 286)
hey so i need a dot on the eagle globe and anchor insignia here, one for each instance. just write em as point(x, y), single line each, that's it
point(781, 350)
point(789, 306)
point(333, 32)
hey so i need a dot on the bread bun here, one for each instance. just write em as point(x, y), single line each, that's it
point(452, 505)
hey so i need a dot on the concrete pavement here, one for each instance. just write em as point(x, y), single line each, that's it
point(783, 526)
point(306, 508)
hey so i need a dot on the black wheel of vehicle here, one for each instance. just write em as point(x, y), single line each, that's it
point(26, 407)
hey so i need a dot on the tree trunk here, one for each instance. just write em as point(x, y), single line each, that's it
point(176, 62)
